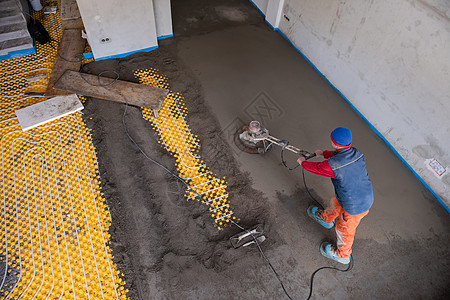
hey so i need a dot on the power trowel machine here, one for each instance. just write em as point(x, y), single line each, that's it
point(255, 139)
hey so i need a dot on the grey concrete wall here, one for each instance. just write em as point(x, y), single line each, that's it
point(128, 25)
point(391, 60)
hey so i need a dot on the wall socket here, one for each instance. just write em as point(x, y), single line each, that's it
point(105, 40)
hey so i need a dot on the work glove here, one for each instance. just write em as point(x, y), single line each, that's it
point(300, 160)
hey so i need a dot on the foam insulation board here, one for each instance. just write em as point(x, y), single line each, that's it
point(48, 110)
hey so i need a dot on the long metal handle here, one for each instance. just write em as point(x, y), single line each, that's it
point(285, 145)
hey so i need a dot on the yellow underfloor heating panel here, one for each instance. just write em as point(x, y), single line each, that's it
point(176, 137)
point(53, 218)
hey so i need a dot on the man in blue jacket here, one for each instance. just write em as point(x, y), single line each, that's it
point(353, 193)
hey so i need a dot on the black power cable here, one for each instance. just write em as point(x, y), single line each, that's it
point(75, 60)
point(282, 157)
point(350, 266)
point(239, 226)
point(175, 175)
point(187, 185)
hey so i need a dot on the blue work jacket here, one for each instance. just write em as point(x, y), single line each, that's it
point(352, 185)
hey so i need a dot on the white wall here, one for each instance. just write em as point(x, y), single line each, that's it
point(129, 25)
point(261, 4)
point(163, 18)
point(274, 12)
point(391, 60)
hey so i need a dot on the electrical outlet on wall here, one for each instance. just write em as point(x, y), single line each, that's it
point(105, 40)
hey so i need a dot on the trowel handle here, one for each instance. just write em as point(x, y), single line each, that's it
point(309, 156)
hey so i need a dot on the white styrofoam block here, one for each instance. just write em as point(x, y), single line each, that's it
point(48, 110)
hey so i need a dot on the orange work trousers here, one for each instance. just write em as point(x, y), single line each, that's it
point(345, 226)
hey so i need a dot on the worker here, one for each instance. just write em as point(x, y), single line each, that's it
point(353, 193)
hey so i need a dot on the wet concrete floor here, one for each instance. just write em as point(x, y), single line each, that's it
point(251, 72)
point(224, 55)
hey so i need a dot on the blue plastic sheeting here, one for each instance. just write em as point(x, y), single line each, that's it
point(89, 55)
point(165, 36)
point(19, 53)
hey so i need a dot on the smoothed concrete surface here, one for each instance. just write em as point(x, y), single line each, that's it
point(239, 67)
point(406, 225)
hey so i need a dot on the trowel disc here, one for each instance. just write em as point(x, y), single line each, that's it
point(246, 146)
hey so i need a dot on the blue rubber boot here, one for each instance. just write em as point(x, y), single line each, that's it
point(316, 214)
point(329, 251)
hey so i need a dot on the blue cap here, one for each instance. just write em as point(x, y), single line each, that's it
point(342, 137)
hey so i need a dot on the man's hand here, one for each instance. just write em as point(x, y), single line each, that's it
point(319, 152)
point(300, 160)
